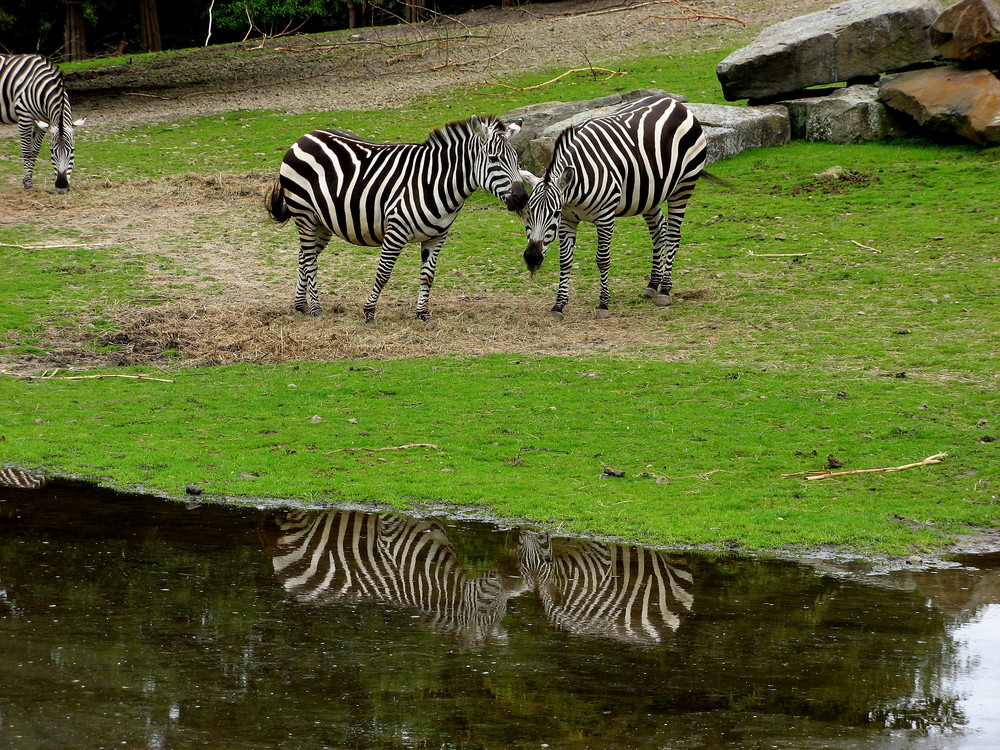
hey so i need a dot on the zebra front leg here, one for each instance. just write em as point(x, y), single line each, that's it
point(429, 254)
point(392, 244)
point(605, 228)
point(657, 226)
point(567, 241)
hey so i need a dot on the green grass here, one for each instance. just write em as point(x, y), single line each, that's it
point(876, 345)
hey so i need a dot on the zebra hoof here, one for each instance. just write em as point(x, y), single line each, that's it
point(649, 292)
point(600, 313)
point(426, 319)
point(662, 300)
point(556, 314)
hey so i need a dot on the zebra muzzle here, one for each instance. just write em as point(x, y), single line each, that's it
point(533, 257)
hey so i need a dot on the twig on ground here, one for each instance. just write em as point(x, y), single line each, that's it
point(387, 448)
point(826, 473)
point(591, 70)
point(866, 247)
point(48, 247)
point(777, 255)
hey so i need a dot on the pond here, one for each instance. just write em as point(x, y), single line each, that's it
point(131, 621)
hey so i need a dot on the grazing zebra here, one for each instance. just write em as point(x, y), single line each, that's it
point(334, 555)
point(334, 183)
point(625, 163)
point(11, 476)
point(631, 594)
point(32, 95)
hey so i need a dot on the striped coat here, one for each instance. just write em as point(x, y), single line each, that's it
point(33, 96)
point(627, 163)
point(388, 195)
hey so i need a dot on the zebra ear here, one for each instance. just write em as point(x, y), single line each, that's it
point(567, 176)
point(528, 177)
point(42, 125)
point(514, 127)
point(478, 127)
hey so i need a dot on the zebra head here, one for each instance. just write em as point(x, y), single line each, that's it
point(541, 219)
point(548, 196)
point(62, 144)
point(496, 164)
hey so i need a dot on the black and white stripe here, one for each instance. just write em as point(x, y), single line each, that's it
point(383, 194)
point(33, 96)
point(630, 594)
point(11, 476)
point(330, 556)
point(626, 163)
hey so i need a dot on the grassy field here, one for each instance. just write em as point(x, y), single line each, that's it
point(837, 307)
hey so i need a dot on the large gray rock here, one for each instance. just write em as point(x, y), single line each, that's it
point(848, 115)
point(849, 40)
point(948, 102)
point(969, 33)
point(730, 130)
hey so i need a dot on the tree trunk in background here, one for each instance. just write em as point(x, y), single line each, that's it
point(149, 26)
point(352, 14)
point(75, 34)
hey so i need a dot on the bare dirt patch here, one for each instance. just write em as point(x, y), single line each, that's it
point(222, 277)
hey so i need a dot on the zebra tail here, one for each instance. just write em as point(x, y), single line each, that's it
point(277, 208)
point(715, 178)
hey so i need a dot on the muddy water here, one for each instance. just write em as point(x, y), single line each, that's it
point(134, 622)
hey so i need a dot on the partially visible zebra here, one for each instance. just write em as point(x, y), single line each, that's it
point(630, 594)
point(334, 183)
point(336, 555)
point(11, 476)
point(32, 94)
point(625, 163)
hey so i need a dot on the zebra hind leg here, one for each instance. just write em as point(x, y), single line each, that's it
point(312, 240)
point(658, 233)
point(676, 206)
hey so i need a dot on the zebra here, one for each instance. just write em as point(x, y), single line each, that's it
point(321, 557)
point(12, 476)
point(627, 162)
point(586, 587)
point(384, 194)
point(33, 96)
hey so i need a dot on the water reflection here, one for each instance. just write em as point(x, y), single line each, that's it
point(585, 587)
point(128, 621)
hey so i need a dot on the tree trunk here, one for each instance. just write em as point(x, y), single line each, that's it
point(149, 26)
point(76, 34)
point(352, 14)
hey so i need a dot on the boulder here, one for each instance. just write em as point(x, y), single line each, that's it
point(948, 101)
point(852, 39)
point(848, 115)
point(969, 33)
point(730, 130)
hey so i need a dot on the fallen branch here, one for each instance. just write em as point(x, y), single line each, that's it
point(866, 247)
point(387, 448)
point(591, 69)
point(826, 473)
point(694, 13)
point(777, 255)
point(47, 247)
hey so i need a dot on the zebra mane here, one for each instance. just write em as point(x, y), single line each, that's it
point(558, 148)
point(446, 134)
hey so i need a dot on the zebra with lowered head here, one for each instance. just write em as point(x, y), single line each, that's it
point(625, 163)
point(328, 556)
point(33, 96)
point(388, 195)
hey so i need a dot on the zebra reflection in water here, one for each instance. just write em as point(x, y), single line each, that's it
point(625, 593)
point(349, 556)
point(630, 594)
point(11, 476)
